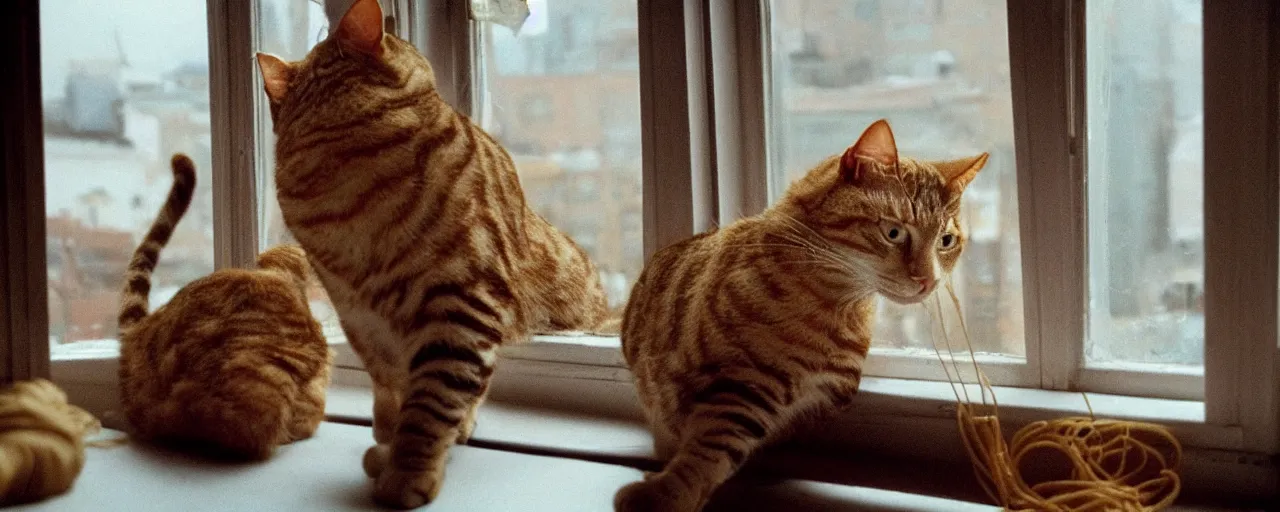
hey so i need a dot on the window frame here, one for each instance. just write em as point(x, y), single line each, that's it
point(24, 310)
point(1231, 445)
point(1242, 150)
point(727, 40)
point(234, 85)
point(1048, 80)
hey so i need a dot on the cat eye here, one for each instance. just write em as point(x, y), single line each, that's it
point(947, 241)
point(893, 232)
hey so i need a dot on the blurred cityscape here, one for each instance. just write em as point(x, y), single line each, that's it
point(1146, 181)
point(939, 71)
point(113, 115)
point(562, 95)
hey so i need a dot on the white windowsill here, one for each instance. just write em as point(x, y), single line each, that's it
point(323, 473)
point(588, 410)
point(596, 358)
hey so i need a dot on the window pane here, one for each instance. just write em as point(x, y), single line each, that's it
point(288, 29)
point(125, 85)
point(563, 97)
point(1146, 154)
point(938, 70)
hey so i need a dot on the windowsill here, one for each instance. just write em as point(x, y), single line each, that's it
point(588, 410)
point(323, 473)
point(777, 479)
point(596, 358)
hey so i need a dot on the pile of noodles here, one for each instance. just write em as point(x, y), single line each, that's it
point(41, 441)
point(1074, 463)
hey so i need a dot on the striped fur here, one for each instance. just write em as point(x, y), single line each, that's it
point(415, 221)
point(234, 364)
point(137, 279)
point(735, 335)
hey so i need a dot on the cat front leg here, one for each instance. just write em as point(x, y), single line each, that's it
point(386, 416)
point(386, 410)
point(448, 375)
point(387, 385)
point(722, 432)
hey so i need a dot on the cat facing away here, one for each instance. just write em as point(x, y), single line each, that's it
point(735, 335)
point(414, 220)
point(234, 364)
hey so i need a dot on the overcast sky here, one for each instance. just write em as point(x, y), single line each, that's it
point(157, 35)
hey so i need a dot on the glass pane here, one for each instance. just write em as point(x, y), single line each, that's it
point(563, 97)
point(1146, 159)
point(288, 29)
point(125, 85)
point(938, 70)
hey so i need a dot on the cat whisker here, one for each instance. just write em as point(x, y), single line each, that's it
point(807, 243)
point(792, 223)
point(760, 245)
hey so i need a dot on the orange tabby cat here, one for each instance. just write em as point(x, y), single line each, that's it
point(234, 363)
point(415, 221)
point(735, 334)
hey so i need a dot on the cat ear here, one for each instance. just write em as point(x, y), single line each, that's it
point(276, 75)
point(876, 144)
point(959, 173)
point(361, 27)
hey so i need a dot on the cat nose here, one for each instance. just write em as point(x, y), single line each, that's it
point(926, 283)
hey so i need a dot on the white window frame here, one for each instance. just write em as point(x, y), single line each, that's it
point(708, 165)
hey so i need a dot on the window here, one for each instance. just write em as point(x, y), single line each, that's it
point(287, 28)
point(1145, 90)
point(119, 99)
point(562, 96)
point(946, 93)
point(1102, 259)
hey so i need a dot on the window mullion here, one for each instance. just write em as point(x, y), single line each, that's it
point(740, 81)
point(233, 86)
point(1242, 216)
point(1051, 186)
point(24, 305)
point(442, 30)
point(676, 140)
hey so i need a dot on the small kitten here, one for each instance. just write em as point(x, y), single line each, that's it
point(736, 334)
point(234, 364)
point(414, 219)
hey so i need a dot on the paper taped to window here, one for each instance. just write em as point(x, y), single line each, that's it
point(508, 13)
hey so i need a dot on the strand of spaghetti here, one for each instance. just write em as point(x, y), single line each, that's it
point(985, 464)
point(946, 336)
point(1112, 464)
point(965, 329)
point(983, 479)
point(933, 340)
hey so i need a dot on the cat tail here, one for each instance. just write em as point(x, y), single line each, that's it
point(137, 279)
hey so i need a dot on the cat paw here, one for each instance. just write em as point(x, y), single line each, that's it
point(376, 459)
point(406, 490)
point(651, 495)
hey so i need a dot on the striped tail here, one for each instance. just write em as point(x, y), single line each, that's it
point(137, 279)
